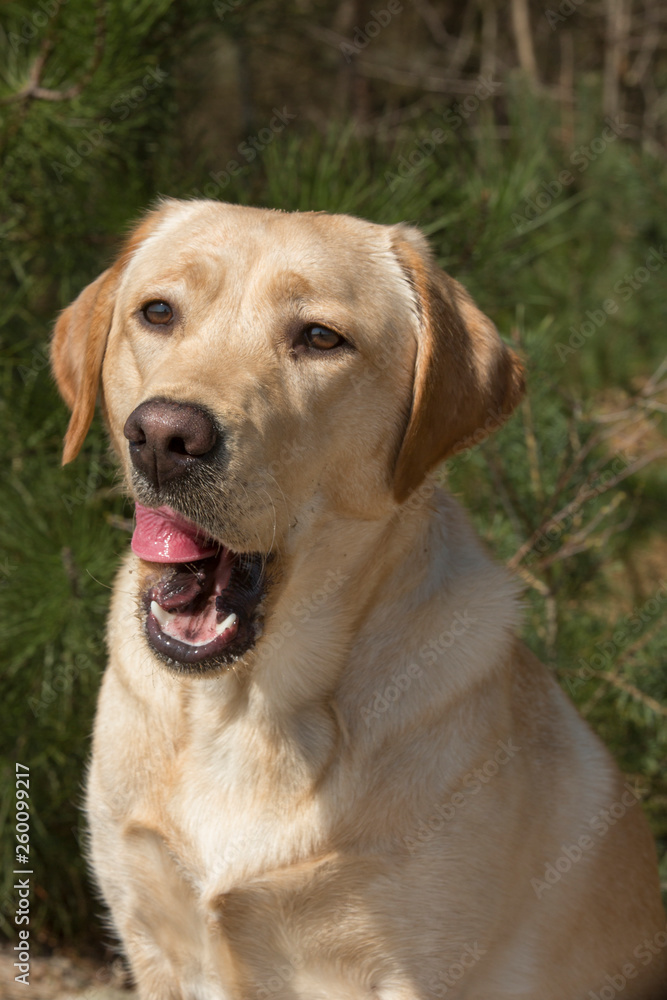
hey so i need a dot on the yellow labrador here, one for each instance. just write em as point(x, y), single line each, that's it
point(324, 767)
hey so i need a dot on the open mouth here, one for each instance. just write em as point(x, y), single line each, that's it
point(202, 611)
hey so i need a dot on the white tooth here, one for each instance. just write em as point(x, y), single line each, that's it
point(160, 613)
point(228, 622)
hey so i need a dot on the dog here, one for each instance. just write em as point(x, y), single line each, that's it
point(324, 767)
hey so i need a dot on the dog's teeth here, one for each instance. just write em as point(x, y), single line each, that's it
point(228, 622)
point(161, 615)
point(164, 618)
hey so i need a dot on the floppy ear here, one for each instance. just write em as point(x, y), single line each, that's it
point(77, 352)
point(80, 338)
point(466, 381)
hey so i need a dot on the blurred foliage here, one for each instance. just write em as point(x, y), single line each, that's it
point(137, 114)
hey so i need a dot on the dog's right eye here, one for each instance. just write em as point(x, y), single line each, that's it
point(158, 313)
point(321, 338)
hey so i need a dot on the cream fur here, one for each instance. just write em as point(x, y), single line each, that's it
point(306, 824)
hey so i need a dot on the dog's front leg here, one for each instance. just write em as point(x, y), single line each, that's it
point(175, 953)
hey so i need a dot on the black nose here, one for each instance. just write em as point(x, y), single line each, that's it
point(167, 439)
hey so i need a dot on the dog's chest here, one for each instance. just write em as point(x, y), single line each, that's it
point(237, 810)
point(291, 918)
point(290, 908)
point(267, 893)
point(226, 839)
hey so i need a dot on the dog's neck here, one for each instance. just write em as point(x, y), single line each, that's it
point(349, 584)
point(322, 677)
point(341, 589)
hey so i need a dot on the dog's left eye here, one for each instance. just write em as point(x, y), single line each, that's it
point(322, 339)
point(158, 313)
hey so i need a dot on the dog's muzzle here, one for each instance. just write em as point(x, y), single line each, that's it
point(202, 604)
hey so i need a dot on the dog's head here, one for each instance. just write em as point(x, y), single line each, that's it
point(262, 372)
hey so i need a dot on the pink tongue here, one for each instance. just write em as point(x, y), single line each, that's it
point(161, 535)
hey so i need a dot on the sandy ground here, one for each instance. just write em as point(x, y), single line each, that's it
point(60, 977)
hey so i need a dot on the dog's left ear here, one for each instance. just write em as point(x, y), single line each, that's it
point(466, 380)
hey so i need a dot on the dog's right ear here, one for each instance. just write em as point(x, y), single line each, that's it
point(80, 339)
point(77, 352)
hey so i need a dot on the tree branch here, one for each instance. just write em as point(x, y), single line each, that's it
point(33, 90)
